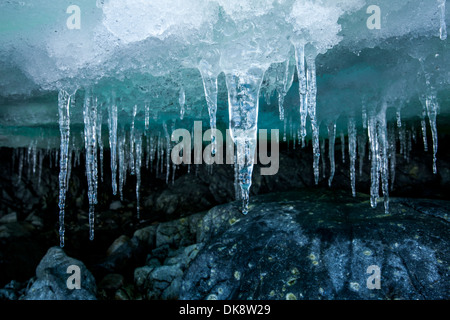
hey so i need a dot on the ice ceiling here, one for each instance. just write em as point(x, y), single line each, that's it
point(251, 63)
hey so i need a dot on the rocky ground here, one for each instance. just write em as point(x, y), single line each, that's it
point(313, 244)
point(297, 242)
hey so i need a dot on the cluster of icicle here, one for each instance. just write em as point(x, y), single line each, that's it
point(128, 147)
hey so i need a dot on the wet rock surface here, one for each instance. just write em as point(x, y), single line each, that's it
point(52, 277)
point(315, 244)
point(319, 246)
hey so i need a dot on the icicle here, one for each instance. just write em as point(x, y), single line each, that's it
point(324, 163)
point(122, 163)
point(343, 146)
point(383, 156)
point(209, 78)
point(284, 130)
point(99, 139)
point(443, 27)
point(302, 80)
point(432, 110)
point(90, 141)
point(181, 101)
point(311, 98)
point(424, 133)
point(392, 154)
point(64, 103)
point(331, 143)
point(132, 142)
point(112, 122)
point(138, 172)
point(352, 152)
point(166, 133)
point(243, 103)
point(374, 151)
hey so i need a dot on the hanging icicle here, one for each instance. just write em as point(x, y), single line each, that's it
point(432, 110)
point(243, 104)
point(112, 124)
point(138, 141)
point(352, 152)
point(311, 98)
point(90, 142)
point(331, 143)
point(302, 86)
point(132, 142)
point(65, 100)
point(209, 77)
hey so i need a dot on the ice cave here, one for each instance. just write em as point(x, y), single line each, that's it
point(224, 149)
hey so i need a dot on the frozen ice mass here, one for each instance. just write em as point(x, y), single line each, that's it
point(118, 77)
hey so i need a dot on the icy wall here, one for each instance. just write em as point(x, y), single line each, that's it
point(124, 74)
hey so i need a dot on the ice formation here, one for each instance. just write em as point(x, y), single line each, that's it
point(142, 65)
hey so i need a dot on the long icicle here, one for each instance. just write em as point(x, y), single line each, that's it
point(383, 155)
point(374, 154)
point(210, 86)
point(331, 143)
point(112, 122)
point(132, 141)
point(138, 172)
point(243, 104)
point(423, 124)
point(352, 152)
point(302, 86)
point(90, 141)
point(432, 109)
point(64, 102)
point(122, 162)
point(312, 93)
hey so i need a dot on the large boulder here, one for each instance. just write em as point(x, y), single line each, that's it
point(53, 275)
point(322, 245)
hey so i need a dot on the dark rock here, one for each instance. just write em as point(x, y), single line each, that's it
point(112, 281)
point(164, 281)
point(13, 290)
point(319, 245)
point(178, 233)
point(115, 246)
point(52, 277)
